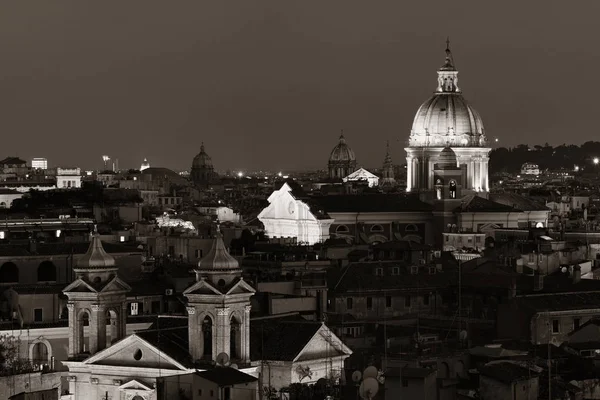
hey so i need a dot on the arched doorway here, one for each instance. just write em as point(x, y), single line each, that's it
point(235, 338)
point(9, 273)
point(46, 272)
point(207, 335)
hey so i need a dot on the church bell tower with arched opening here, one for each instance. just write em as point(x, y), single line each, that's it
point(97, 296)
point(219, 308)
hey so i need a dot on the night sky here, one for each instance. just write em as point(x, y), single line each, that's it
point(269, 84)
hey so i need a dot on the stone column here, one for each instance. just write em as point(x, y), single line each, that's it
point(195, 334)
point(97, 328)
point(223, 332)
point(409, 170)
point(246, 335)
point(73, 330)
point(122, 332)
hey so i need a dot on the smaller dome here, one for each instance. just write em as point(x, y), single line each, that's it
point(145, 165)
point(447, 158)
point(96, 257)
point(202, 160)
point(218, 258)
point(342, 152)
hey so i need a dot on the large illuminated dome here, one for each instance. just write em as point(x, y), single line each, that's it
point(446, 120)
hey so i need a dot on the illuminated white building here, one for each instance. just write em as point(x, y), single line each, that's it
point(67, 178)
point(290, 217)
point(39, 163)
point(362, 174)
point(145, 165)
point(530, 169)
point(446, 119)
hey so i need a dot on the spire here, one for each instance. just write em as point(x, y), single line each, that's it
point(202, 147)
point(388, 156)
point(449, 63)
point(218, 258)
point(96, 257)
point(342, 138)
point(447, 74)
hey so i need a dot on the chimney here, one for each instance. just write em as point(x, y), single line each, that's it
point(576, 274)
point(538, 282)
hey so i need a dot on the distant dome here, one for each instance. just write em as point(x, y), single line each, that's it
point(342, 152)
point(447, 158)
point(145, 165)
point(446, 118)
point(202, 160)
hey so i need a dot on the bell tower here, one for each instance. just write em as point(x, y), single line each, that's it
point(387, 177)
point(96, 296)
point(218, 306)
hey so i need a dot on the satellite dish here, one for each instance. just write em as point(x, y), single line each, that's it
point(222, 359)
point(356, 376)
point(463, 335)
point(370, 372)
point(234, 366)
point(368, 388)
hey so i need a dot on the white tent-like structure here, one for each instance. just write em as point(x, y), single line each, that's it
point(362, 174)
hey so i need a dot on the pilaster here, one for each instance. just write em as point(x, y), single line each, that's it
point(73, 328)
point(223, 333)
point(97, 328)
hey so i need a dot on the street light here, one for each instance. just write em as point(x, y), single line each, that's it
point(240, 174)
point(596, 160)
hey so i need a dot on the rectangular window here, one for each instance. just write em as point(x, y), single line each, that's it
point(349, 303)
point(576, 323)
point(212, 393)
point(406, 301)
point(199, 392)
point(134, 309)
point(379, 271)
point(555, 326)
point(404, 382)
point(396, 271)
point(531, 257)
point(426, 300)
point(388, 301)
point(369, 303)
point(37, 315)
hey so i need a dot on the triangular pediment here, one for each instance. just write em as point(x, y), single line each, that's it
point(202, 287)
point(79, 285)
point(116, 285)
point(323, 344)
point(241, 287)
point(134, 352)
point(135, 385)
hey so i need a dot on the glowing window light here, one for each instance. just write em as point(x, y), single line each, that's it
point(2, 235)
point(58, 233)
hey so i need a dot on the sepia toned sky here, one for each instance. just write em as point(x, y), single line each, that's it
point(269, 84)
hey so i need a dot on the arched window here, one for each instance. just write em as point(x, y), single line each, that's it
point(9, 273)
point(235, 338)
point(411, 228)
point(377, 228)
point(46, 272)
point(112, 322)
point(207, 334)
point(342, 229)
point(452, 189)
point(83, 319)
point(39, 354)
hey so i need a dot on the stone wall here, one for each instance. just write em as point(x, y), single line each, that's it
point(32, 382)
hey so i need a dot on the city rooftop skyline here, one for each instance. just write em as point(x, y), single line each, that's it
point(272, 88)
